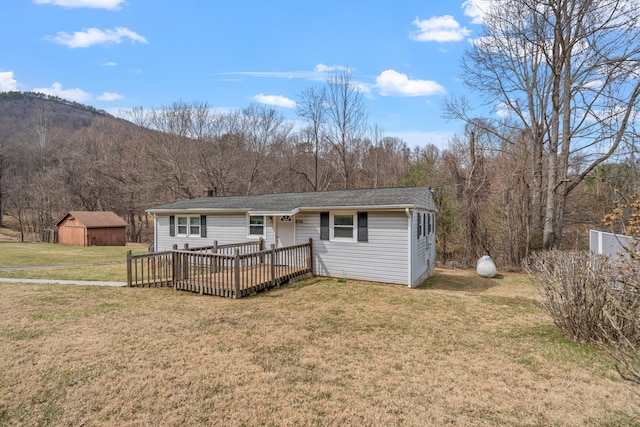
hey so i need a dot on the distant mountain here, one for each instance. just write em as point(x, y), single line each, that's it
point(21, 108)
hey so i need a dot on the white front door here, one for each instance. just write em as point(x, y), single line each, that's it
point(285, 231)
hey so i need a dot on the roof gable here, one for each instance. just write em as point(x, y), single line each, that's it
point(397, 197)
point(95, 219)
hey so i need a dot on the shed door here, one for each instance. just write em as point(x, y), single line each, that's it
point(285, 231)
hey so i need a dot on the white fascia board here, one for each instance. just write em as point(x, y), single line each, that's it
point(194, 211)
point(359, 208)
point(274, 213)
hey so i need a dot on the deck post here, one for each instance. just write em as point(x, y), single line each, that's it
point(236, 275)
point(185, 263)
point(310, 259)
point(129, 278)
point(175, 274)
point(214, 260)
point(273, 264)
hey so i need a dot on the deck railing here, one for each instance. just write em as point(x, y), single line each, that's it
point(224, 270)
point(151, 270)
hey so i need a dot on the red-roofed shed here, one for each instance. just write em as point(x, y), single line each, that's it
point(85, 228)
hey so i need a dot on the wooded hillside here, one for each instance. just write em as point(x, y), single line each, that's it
point(57, 156)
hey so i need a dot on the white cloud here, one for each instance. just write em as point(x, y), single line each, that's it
point(393, 83)
point(94, 4)
point(594, 84)
point(503, 110)
point(110, 64)
point(110, 96)
point(476, 9)
point(94, 36)
point(321, 68)
point(319, 73)
point(439, 29)
point(7, 82)
point(277, 100)
point(77, 95)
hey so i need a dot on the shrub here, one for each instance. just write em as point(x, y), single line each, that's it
point(577, 288)
point(595, 300)
point(624, 314)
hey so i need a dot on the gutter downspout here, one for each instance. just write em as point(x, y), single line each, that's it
point(407, 211)
point(155, 233)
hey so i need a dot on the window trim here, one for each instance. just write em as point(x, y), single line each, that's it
point(264, 227)
point(354, 226)
point(188, 225)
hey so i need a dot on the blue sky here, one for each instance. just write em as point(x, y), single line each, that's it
point(120, 54)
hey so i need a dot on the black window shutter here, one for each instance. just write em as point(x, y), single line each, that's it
point(172, 225)
point(424, 225)
point(419, 225)
point(363, 227)
point(203, 226)
point(324, 225)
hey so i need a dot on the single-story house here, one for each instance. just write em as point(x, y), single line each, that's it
point(383, 235)
point(86, 228)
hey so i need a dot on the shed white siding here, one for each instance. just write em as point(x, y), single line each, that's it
point(383, 258)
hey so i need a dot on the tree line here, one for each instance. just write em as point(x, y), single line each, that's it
point(535, 170)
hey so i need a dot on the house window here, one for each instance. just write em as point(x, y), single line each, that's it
point(343, 226)
point(194, 225)
point(346, 227)
point(256, 226)
point(182, 225)
point(188, 226)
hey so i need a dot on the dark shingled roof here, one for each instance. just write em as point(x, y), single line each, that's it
point(96, 219)
point(387, 197)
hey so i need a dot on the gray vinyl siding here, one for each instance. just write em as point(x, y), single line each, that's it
point(422, 250)
point(383, 258)
point(222, 228)
point(426, 202)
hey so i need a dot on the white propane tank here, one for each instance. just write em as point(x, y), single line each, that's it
point(486, 267)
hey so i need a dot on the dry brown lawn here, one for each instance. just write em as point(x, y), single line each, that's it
point(461, 350)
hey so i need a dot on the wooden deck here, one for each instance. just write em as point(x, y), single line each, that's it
point(212, 271)
point(254, 278)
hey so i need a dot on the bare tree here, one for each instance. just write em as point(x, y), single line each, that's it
point(220, 155)
point(43, 132)
point(346, 121)
point(262, 127)
point(312, 107)
point(467, 161)
point(385, 160)
point(174, 147)
point(566, 70)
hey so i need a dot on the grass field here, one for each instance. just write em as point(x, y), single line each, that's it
point(102, 263)
point(460, 350)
